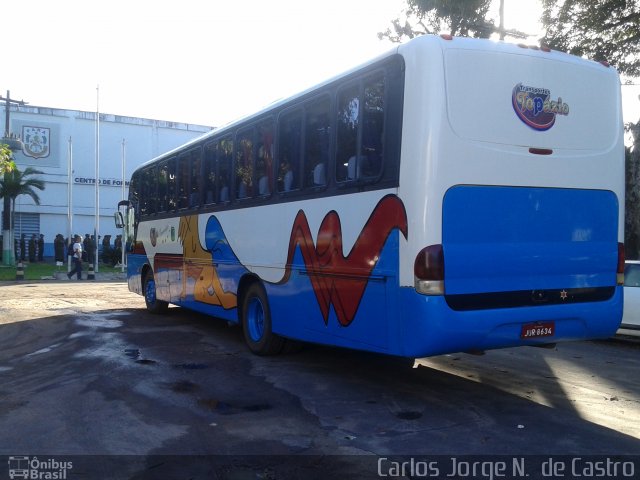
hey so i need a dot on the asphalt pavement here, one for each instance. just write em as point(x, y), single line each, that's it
point(88, 373)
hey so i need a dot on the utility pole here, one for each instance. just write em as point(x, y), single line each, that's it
point(8, 101)
point(502, 32)
point(511, 32)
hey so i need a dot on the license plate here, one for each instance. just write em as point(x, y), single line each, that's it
point(537, 330)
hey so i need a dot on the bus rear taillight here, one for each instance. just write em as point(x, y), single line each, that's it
point(620, 272)
point(428, 270)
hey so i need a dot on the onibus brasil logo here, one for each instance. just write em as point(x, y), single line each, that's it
point(32, 468)
point(535, 107)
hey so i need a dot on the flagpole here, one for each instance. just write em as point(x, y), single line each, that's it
point(69, 202)
point(97, 184)
point(122, 239)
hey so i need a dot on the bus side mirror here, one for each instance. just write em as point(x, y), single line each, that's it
point(119, 219)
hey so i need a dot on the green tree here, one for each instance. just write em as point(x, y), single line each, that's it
point(457, 17)
point(13, 184)
point(602, 30)
point(6, 159)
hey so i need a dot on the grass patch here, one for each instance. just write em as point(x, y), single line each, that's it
point(35, 271)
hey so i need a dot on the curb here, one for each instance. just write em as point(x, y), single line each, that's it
point(111, 276)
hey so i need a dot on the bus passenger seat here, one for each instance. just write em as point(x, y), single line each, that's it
point(319, 177)
point(288, 180)
point(224, 194)
point(353, 168)
point(242, 190)
point(263, 185)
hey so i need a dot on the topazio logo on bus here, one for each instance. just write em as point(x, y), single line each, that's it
point(535, 107)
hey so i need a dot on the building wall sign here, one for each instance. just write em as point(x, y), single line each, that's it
point(36, 141)
point(107, 182)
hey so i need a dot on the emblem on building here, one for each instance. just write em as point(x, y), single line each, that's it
point(36, 141)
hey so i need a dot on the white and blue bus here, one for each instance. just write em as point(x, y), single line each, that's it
point(452, 195)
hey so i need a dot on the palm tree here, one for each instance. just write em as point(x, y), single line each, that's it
point(12, 185)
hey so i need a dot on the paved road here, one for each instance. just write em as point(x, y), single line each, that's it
point(86, 370)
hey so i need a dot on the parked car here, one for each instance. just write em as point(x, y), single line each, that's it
point(631, 314)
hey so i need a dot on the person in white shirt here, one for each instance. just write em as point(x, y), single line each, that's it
point(77, 258)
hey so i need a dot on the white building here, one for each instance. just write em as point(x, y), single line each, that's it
point(54, 139)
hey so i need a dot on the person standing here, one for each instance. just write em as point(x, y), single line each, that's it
point(58, 247)
point(85, 248)
point(91, 252)
point(41, 248)
point(77, 258)
point(32, 248)
point(117, 250)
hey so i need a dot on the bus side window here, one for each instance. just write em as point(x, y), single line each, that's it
point(209, 174)
point(184, 174)
point(289, 146)
point(196, 178)
point(224, 155)
point(361, 113)
point(172, 185)
point(347, 134)
point(372, 127)
point(317, 134)
point(134, 190)
point(264, 160)
point(148, 205)
point(244, 164)
point(163, 187)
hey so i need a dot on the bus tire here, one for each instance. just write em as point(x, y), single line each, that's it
point(256, 322)
point(150, 299)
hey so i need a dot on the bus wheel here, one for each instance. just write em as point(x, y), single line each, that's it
point(153, 304)
point(256, 323)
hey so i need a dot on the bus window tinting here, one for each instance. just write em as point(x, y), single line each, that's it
point(224, 155)
point(163, 187)
point(253, 165)
point(361, 115)
point(172, 190)
point(372, 128)
point(184, 175)
point(209, 173)
point(349, 130)
point(196, 180)
point(317, 136)
point(244, 164)
point(148, 204)
point(347, 133)
point(264, 158)
point(289, 153)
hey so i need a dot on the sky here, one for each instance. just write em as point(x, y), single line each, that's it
point(205, 62)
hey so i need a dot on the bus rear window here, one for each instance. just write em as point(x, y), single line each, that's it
point(531, 101)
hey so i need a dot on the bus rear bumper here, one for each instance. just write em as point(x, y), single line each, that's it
point(430, 327)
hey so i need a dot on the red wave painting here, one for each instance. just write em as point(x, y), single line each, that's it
point(338, 280)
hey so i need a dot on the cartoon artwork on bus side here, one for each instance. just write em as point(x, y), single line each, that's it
point(337, 280)
point(198, 266)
